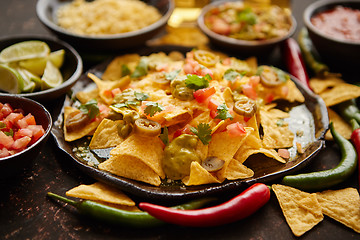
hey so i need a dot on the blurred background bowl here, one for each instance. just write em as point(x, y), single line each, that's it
point(71, 69)
point(46, 11)
point(335, 52)
point(15, 164)
point(257, 48)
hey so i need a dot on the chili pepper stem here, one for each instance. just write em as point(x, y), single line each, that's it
point(61, 198)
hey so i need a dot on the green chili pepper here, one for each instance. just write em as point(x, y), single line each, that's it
point(122, 217)
point(325, 179)
point(311, 57)
point(349, 110)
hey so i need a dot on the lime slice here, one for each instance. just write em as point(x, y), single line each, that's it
point(10, 80)
point(57, 57)
point(52, 76)
point(24, 50)
point(35, 65)
point(31, 81)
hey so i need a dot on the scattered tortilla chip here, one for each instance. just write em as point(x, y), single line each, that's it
point(81, 132)
point(146, 149)
point(342, 205)
point(340, 125)
point(236, 170)
point(294, 94)
point(199, 175)
point(114, 70)
point(100, 192)
point(106, 135)
point(130, 167)
point(302, 211)
point(276, 130)
point(336, 90)
point(84, 97)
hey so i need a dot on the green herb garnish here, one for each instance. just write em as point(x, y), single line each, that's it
point(141, 69)
point(90, 108)
point(141, 96)
point(247, 16)
point(125, 70)
point(232, 74)
point(196, 82)
point(152, 108)
point(203, 131)
point(223, 112)
point(172, 75)
point(164, 136)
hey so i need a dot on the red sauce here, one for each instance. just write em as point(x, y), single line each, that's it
point(340, 22)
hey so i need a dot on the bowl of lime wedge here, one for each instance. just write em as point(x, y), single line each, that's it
point(37, 67)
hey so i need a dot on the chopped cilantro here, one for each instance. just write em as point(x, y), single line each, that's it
point(90, 108)
point(141, 96)
point(172, 75)
point(125, 70)
point(203, 131)
point(152, 108)
point(247, 15)
point(196, 82)
point(9, 133)
point(223, 112)
point(164, 136)
point(141, 69)
point(2, 125)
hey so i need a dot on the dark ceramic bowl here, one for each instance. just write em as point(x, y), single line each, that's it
point(12, 165)
point(332, 51)
point(237, 46)
point(71, 70)
point(46, 12)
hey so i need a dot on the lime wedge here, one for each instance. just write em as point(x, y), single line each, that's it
point(35, 65)
point(52, 76)
point(31, 81)
point(10, 80)
point(57, 57)
point(24, 50)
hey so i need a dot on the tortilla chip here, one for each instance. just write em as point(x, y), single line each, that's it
point(236, 170)
point(145, 148)
point(78, 133)
point(294, 94)
point(106, 135)
point(342, 205)
point(302, 211)
point(130, 167)
point(334, 90)
point(84, 97)
point(340, 125)
point(199, 176)
point(114, 70)
point(276, 130)
point(100, 192)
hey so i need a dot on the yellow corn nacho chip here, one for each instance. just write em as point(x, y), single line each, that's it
point(319, 85)
point(302, 211)
point(342, 205)
point(146, 149)
point(114, 70)
point(100, 192)
point(199, 175)
point(84, 97)
point(130, 167)
point(236, 170)
point(78, 133)
point(340, 125)
point(106, 135)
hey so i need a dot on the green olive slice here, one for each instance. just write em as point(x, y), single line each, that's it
point(212, 164)
point(245, 107)
point(76, 120)
point(269, 77)
point(147, 127)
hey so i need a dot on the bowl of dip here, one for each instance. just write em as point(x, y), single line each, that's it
point(334, 28)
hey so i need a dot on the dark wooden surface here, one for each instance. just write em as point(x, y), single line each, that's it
point(26, 213)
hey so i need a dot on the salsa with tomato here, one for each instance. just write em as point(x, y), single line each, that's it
point(18, 130)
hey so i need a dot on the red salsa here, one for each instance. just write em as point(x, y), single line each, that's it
point(17, 130)
point(340, 22)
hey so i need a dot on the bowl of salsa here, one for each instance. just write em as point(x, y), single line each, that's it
point(334, 28)
point(24, 128)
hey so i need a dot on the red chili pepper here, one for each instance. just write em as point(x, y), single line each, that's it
point(355, 138)
point(294, 61)
point(239, 207)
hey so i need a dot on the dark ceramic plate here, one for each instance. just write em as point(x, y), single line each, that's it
point(265, 170)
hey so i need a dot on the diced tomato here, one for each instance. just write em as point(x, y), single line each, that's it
point(213, 114)
point(184, 130)
point(37, 132)
point(235, 129)
point(6, 109)
point(213, 105)
point(254, 81)
point(220, 26)
point(202, 94)
point(14, 117)
point(4, 152)
point(21, 143)
point(115, 91)
point(269, 98)
point(249, 91)
point(5, 141)
point(22, 133)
